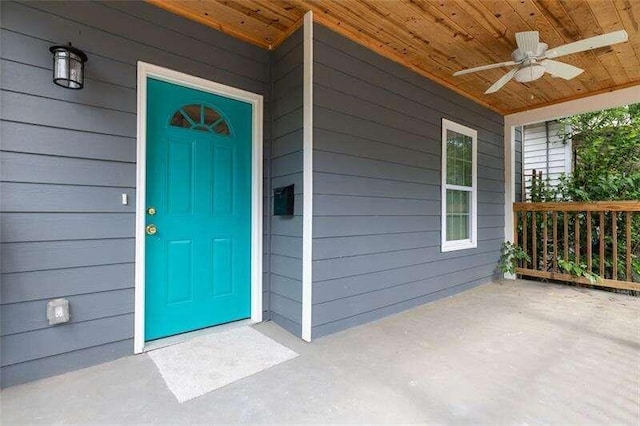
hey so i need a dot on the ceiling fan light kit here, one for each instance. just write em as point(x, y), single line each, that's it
point(529, 73)
point(533, 58)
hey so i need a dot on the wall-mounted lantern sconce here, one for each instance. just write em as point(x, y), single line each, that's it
point(68, 66)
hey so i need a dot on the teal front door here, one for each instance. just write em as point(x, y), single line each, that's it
point(198, 210)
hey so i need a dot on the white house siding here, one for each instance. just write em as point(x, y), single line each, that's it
point(554, 162)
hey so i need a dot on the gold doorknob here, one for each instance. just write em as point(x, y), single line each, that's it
point(151, 229)
point(151, 211)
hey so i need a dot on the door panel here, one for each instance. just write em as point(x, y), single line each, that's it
point(222, 256)
point(179, 277)
point(179, 175)
point(222, 194)
point(197, 266)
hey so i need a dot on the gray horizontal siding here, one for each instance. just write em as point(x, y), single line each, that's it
point(283, 245)
point(48, 284)
point(411, 86)
point(38, 256)
point(356, 245)
point(57, 364)
point(33, 168)
point(21, 47)
point(287, 144)
point(68, 156)
point(41, 197)
point(286, 169)
point(31, 109)
point(334, 184)
point(518, 163)
point(377, 171)
point(334, 297)
point(391, 308)
point(356, 205)
point(34, 80)
point(23, 227)
point(66, 143)
point(27, 316)
point(405, 266)
point(73, 336)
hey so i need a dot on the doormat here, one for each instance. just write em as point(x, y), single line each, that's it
point(209, 362)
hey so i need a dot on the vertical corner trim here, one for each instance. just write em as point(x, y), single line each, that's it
point(307, 212)
point(509, 183)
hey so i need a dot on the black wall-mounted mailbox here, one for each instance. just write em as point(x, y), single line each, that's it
point(283, 201)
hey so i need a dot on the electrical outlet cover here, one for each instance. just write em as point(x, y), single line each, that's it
point(58, 311)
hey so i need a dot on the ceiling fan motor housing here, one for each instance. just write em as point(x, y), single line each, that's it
point(518, 55)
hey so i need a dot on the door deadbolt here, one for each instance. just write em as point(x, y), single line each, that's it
point(151, 211)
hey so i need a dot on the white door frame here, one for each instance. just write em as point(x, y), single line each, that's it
point(146, 70)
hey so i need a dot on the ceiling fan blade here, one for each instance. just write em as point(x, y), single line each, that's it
point(588, 44)
point(527, 42)
point(503, 80)
point(560, 69)
point(486, 67)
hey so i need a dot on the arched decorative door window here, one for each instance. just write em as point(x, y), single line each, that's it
point(202, 118)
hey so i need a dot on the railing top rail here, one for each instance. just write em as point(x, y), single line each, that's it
point(571, 206)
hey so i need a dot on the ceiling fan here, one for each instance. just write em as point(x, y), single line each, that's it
point(533, 58)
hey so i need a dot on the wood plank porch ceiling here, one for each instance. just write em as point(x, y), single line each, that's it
point(437, 37)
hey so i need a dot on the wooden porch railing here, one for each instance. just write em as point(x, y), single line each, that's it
point(603, 237)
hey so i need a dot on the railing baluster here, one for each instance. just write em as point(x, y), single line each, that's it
point(534, 240)
point(516, 218)
point(525, 225)
point(555, 240)
point(602, 242)
point(565, 216)
point(577, 237)
point(629, 275)
point(589, 243)
point(544, 241)
point(614, 242)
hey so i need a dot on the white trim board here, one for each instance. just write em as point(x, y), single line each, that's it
point(307, 208)
point(509, 184)
point(146, 70)
point(630, 95)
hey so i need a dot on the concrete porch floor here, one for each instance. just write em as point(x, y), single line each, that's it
point(506, 352)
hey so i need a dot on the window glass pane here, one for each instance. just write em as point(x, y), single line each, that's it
point(201, 118)
point(193, 111)
point(452, 154)
point(458, 212)
point(466, 174)
point(221, 128)
point(459, 159)
point(178, 120)
point(457, 227)
point(458, 201)
point(210, 116)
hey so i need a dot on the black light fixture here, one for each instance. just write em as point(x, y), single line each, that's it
point(68, 66)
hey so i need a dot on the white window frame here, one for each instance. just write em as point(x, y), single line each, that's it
point(473, 241)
